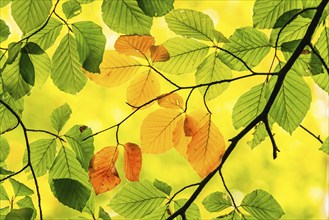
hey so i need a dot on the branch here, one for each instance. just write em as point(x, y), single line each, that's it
point(181, 190)
point(14, 174)
point(47, 132)
point(315, 136)
point(269, 132)
point(9, 129)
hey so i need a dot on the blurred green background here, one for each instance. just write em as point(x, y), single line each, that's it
point(298, 178)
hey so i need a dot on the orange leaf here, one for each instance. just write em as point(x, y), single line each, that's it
point(102, 172)
point(134, 45)
point(157, 131)
point(132, 161)
point(116, 69)
point(159, 53)
point(179, 139)
point(143, 89)
point(173, 101)
point(206, 148)
point(190, 126)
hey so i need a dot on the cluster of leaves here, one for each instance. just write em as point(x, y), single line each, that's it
point(77, 174)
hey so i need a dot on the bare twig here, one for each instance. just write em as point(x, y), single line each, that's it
point(47, 132)
point(269, 132)
point(14, 174)
point(312, 134)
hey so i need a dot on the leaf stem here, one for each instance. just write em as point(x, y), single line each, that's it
point(47, 132)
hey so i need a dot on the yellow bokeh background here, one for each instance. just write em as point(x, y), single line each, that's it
point(298, 178)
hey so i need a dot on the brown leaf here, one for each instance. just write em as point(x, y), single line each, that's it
point(132, 161)
point(157, 131)
point(179, 139)
point(116, 69)
point(143, 89)
point(206, 148)
point(134, 45)
point(190, 126)
point(173, 101)
point(102, 172)
point(159, 53)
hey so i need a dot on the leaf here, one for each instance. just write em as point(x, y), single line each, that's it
point(125, 17)
point(157, 131)
point(191, 24)
point(20, 214)
point(27, 202)
point(160, 213)
point(292, 103)
point(162, 186)
point(42, 155)
point(192, 212)
point(69, 181)
point(46, 37)
point(102, 172)
point(83, 148)
point(172, 101)
point(116, 69)
point(30, 14)
point(26, 68)
point(185, 55)
point(8, 120)
point(3, 3)
point(91, 44)
point(3, 193)
point(159, 53)
point(190, 126)
point(322, 80)
point(216, 202)
point(20, 189)
point(145, 199)
point(134, 45)
point(180, 140)
point(259, 135)
point(60, 116)
point(103, 215)
point(248, 106)
point(262, 205)
point(207, 147)
point(4, 149)
point(233, 215)
point(71, 8)
point(325, 146)
point(4, 31)
point(4, 171)
point(13, 50)
point(143, 89)
point(322, 45)
point(219, 37)
point(132, 161)
point(156, 8)
point(90, 206)
point(211, 70)
point(85, 1)
point(42, 66)
point(266, 12)
point(249, 44)
point(66, 70)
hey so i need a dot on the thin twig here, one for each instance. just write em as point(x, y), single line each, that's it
point(67, 25)
point(311, 133)
point(269, 132)
point(181, 190)
point(9, 129)
point(14, 174)
point(164, 77)
point(47, 132)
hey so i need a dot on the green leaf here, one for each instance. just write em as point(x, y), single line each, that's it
point(60, 116)
point(90, 205)
point(4, 211)
point(191, 213)
point(71, 8)
point(84, 149)
point(259, 135)
point(325, 146)
point(248, 106)
point(126, 17)
point(91, 43)
point(262, 205)
point(292, 102)
point(185, 55)
point(145, 199)
point(30, 14)
point(230, 216)
point(8, 120)
point(211, 70)
point(216, 202)
point(26, 68)
point(4, 149)
point(13, 50)
point(162, 186)
point(314, 4)
point(4, 31)
point(266, 12)
point(42, 67)
point(20, 189)
point(20, 214)
point(322, 45)
point(160, 213)
point(66, 70)
point(3, 193)
point(85, 1)
point(190, 23)
point(322, 80)
point(3, 3)
point(285, 17)
point(156, 8)
point(4, 171)
point(69, 181)
point(46, 37)
point(219, 37)
point(42, 155)
point(102, 214)
point(248, 44)
point(26, 202)
point(293, 31)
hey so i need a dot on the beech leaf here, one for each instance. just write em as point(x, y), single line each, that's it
point(180, 140)
point(132, 161)
point(173, 101)
point(159, 53)
point(134, 45)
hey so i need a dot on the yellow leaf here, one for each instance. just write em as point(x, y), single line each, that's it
point(134, 45)
point(207, 147)
point(143, 89)
point(157, 131)
point(102, 172)
point(173, 101)
point(132, 161)
point(116, 69)
point(159, 53)
point(179, 139)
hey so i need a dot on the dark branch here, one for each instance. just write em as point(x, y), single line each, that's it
point(47, 132)
point(14, 174)
point(10, 129)
point(269, 132)
point(312, 134)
